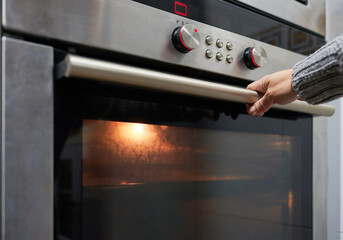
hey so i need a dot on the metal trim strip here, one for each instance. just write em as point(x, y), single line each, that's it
point(26, 140)
point(100, 25)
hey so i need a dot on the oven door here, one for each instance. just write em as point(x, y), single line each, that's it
point(136, 163)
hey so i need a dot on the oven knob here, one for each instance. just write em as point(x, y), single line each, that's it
point(186, 38)
point(255, 57)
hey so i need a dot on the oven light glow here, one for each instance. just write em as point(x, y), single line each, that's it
point(129, 153)
point(290, 204)
point(136, 133)
point(290, 199)
point(139, 128)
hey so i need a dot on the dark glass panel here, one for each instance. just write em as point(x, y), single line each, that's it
point(226, 15)
point(134, 164)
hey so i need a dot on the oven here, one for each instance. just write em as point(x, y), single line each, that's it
point(126, 120)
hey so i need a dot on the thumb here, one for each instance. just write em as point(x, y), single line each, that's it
point(260, 106)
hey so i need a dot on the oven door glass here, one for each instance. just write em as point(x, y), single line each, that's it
point(133, 164)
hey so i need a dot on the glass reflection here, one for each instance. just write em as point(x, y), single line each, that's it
point(192, 183)
point(120, 152)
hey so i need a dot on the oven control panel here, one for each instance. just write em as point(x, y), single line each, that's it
point(219, 49)
point(186, 38)
point(216, 50)
point(152, 34)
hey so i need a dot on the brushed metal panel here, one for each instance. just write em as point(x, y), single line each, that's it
point(116, 73)
point(2, 226)
point(139, 30)
point(334, 158)
point(27, 141)
point(311, 16)
point(320, 178)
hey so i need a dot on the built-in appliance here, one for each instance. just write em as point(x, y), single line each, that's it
point(126, 120)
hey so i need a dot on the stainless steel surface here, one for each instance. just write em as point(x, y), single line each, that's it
point(99, 23)
point(116, 73)
point(259, 55)
point(320, 178)
point(334, 189)
point(334, 156)
point(27, 141)
point(190, 36)
point(334, 26)
point(2, 175)
point(311, 16)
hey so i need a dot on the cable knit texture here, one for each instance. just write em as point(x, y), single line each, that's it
point(319, 77)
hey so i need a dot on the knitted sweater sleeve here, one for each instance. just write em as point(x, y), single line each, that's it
point(319, 77)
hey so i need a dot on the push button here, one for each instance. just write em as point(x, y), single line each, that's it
point(209, 40)
point(229, 58)
point(219, 56)
point(219, 43)
point(229, 46)
point(209, 53)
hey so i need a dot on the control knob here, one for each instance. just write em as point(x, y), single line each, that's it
point(255, 57)
point(186, 38)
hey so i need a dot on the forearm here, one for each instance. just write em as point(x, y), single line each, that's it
point(319, 77)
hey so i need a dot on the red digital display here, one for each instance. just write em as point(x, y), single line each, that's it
point(180, 8)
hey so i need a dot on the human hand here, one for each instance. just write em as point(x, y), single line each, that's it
point(275, 88)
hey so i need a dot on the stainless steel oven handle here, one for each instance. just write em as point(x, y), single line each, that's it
point(117, 73)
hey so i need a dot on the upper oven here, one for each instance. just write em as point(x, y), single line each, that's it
point(126, 120)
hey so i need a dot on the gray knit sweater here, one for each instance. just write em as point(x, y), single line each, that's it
point(319, 77)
